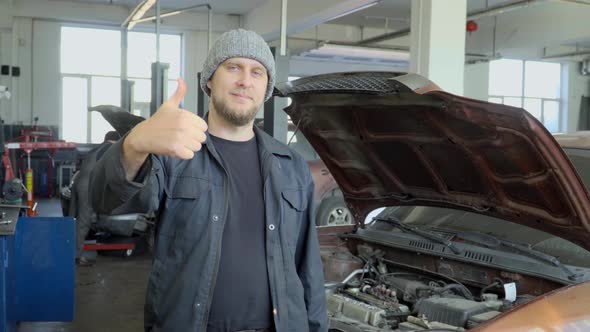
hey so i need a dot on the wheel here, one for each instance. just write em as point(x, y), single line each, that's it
point(333, 211)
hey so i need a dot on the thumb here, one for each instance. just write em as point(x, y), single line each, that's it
point(178, 95)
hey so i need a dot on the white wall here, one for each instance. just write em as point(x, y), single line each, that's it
point(46, 73)
point(476, 80)
point(22, 34)
point(5, 15)
point(5, 59)
point(437, 48)
point(577, 86)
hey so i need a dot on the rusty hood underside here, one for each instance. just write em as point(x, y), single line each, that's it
point(396, 140)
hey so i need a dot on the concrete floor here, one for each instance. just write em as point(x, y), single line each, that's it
point(109, 297)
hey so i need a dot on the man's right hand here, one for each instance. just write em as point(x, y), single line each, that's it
point(171, 131)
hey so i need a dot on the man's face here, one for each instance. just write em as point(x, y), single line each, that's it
point(238, 87)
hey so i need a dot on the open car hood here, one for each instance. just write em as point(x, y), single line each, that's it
point(398, 140)
point(120, 119)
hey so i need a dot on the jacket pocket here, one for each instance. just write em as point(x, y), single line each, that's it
point(294, 205)
point(186, 188)
point(296, 199)
point(185, 207)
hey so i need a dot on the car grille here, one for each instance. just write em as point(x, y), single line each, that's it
point(365, 82)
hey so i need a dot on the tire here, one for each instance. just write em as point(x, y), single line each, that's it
point(332, 212)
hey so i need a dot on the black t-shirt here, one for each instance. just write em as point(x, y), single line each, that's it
point(241, 298)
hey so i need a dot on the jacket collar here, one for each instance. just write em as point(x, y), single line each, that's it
point(270, 144)
point(265, 142)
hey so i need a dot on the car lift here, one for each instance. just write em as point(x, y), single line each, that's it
point(28, 141)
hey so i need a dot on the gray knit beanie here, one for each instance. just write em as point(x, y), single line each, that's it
point(243, 44)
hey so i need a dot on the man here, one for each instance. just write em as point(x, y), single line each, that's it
point(80, 207)
point(236, 248)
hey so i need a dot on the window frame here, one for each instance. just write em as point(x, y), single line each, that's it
point(522, 97)
point(88, 77)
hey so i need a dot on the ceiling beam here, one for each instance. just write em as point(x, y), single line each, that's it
point(492, 11)
point(304, 15)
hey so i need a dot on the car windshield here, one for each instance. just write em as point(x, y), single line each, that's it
point(450, 220)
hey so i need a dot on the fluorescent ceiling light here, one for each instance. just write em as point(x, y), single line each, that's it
point(147, 4)
point(354, 10)
point(170, 13)
point(138, 13)
point(345, 51)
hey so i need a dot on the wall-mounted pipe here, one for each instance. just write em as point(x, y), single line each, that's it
point(566, 55)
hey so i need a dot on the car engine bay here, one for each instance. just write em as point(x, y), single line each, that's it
point(376, 294)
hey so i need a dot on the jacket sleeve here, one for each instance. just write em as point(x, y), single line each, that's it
point(310, 268)
point(111, 192)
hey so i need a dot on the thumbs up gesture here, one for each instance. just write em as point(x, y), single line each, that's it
point(171, 131)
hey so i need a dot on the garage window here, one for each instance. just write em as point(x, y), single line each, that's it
point(141, 53)
point(532, 85)
point(90, 67)
point(91, 75)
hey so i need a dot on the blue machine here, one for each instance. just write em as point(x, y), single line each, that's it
point(36, 269)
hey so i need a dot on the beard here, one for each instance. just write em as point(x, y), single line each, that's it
point(232, 116)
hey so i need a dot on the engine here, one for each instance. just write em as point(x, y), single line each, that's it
point(376, 296)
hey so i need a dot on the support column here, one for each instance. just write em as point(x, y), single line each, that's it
point(127, 98)
point(275, 119)
point(437, 47)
